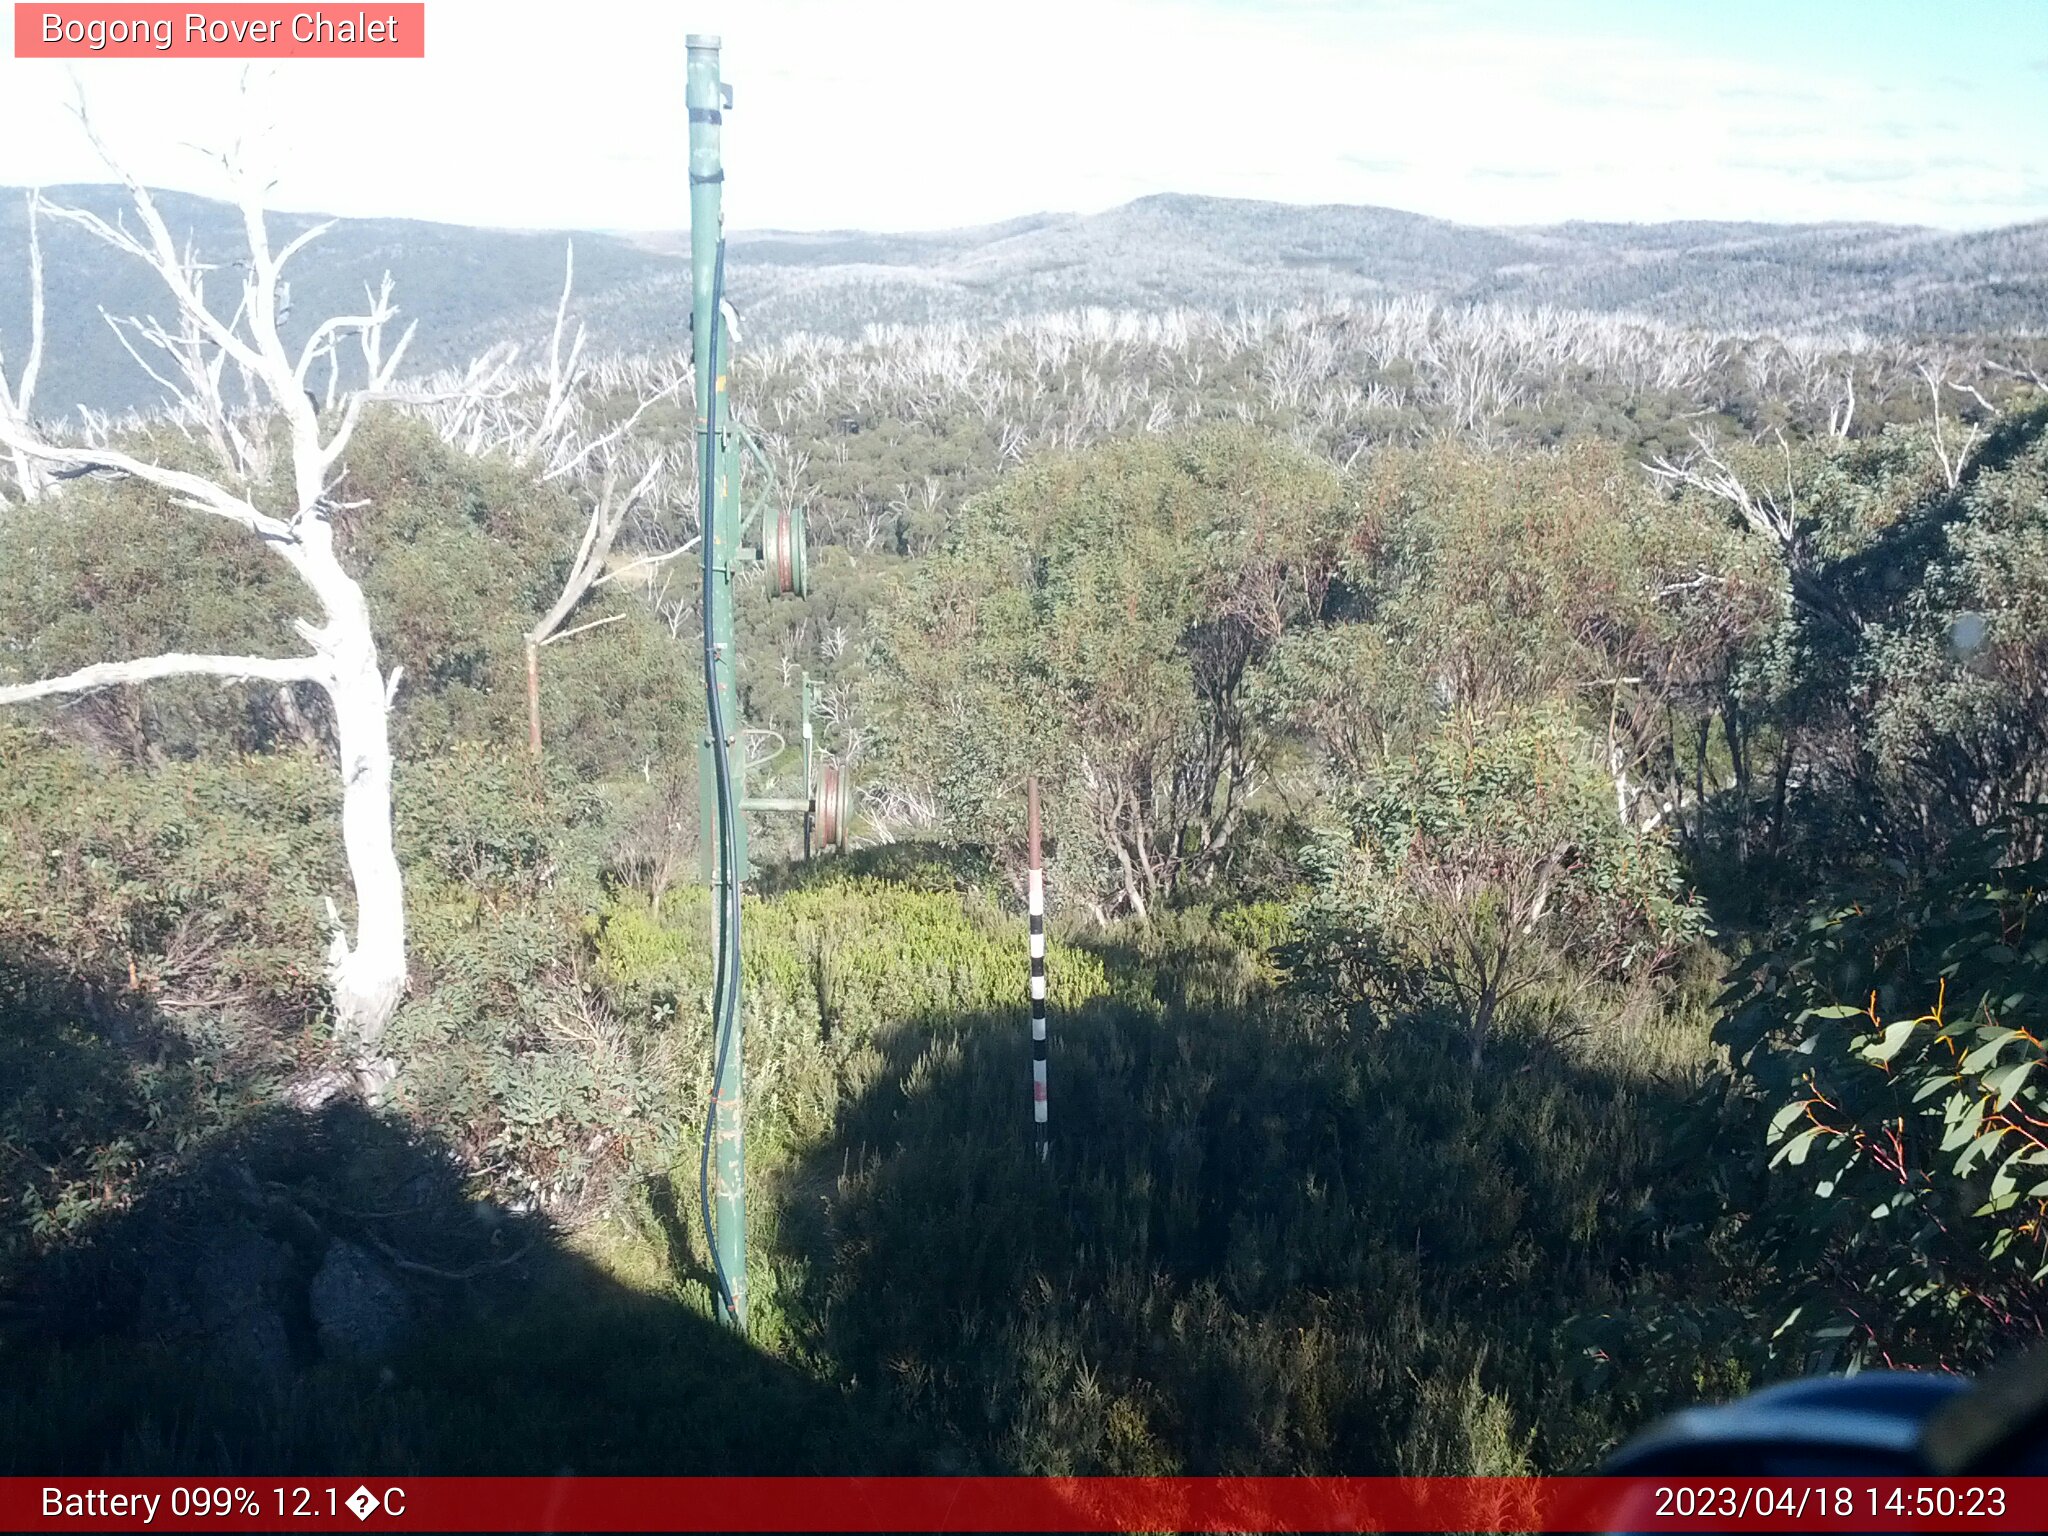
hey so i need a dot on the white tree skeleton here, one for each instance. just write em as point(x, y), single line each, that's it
point(366, 973)
point(28, 479)
point(483, 411)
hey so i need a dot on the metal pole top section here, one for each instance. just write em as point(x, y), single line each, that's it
point(1031, 817)
point(702, 87)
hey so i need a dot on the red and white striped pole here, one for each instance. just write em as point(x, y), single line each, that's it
point(1035, 898)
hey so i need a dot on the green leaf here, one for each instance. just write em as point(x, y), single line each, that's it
point(2009, 1083)
point(1965, 1127)
point(1895, 1035)
point(1984, 1055)
point(1782, 1121)
point(1795, 1150)
point(1980, 1149)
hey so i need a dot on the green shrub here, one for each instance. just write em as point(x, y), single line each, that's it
point(1490, 863)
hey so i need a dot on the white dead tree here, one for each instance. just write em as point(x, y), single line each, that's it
point(1763, 510)
point(2021, 373)
point(1952, 463)
point(19, 402)
point(1842, 412)
point(1768, 512)
point(497, 406)
point(587, 572)
point(366, 971)
point(540, 422)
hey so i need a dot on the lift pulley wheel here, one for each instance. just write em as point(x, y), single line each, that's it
point(785, 554)
point(835, 807)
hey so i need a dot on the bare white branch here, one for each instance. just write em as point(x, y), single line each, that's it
point(611, 618)
point(193, 491)
point(648, 561)
point(607, 517)
point(110, 674)
point(1706, 471)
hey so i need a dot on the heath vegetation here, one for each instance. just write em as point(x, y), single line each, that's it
point(1546, 874)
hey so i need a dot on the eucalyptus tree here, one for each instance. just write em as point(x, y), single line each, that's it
point(1096, 620)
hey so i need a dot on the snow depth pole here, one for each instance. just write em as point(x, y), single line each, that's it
point(1035, 899)
point(721, 764)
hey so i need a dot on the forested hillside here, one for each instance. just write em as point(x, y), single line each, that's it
point(473, 288)
point(1545, 858)
point(1225, 253)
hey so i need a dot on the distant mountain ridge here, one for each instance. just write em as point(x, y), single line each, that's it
point(470, 287)
point(1209, 251)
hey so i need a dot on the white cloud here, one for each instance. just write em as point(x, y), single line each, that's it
point(921, 114)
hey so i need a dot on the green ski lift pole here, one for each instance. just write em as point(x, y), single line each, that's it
point(781, 548)
point(721, 760)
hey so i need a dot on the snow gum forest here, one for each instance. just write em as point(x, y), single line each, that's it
point(1543, 783)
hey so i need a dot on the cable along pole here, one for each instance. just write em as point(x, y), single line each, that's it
point(720, 760)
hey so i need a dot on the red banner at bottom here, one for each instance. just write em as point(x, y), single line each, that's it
point(1048, 1504)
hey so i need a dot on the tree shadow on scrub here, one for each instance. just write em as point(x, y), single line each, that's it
point(1896, 560)
point(303, 1293)
point(1257, 1247)
point(1759, 854)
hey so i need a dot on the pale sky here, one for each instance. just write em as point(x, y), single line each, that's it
point(903, 114)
